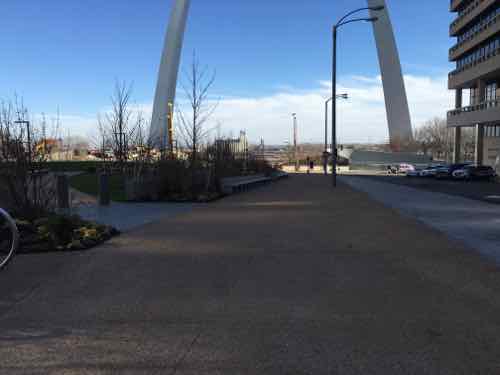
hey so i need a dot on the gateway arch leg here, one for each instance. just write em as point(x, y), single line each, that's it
point(396, 101)
point(398, 114)
point(167, 76)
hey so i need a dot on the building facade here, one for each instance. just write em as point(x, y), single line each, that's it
point(476, 76)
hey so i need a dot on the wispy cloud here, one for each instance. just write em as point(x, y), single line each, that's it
point(362, 118)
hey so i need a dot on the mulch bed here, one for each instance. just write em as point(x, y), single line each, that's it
point(61, 233)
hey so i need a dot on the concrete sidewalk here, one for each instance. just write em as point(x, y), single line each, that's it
point(472, 222)
point(128, 216)
point(293, 278)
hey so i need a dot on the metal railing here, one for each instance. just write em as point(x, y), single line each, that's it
point(474, 108)
point(468, 10)
point(484, 27)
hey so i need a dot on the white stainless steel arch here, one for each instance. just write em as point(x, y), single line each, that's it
point(396, 101)
point(169, 70)
point(398, 113)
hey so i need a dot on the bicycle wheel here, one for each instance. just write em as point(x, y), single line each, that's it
point(9, 238)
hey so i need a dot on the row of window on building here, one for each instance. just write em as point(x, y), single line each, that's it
point(492, 131)
point(482, 21)
point(491, 93)
point(484, 50)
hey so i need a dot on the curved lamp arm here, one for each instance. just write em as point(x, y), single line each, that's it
point(377, 8)
point(371, 19)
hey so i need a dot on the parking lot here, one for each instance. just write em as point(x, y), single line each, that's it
point(479, 190)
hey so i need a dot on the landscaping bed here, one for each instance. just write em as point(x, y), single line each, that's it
point(61, 233)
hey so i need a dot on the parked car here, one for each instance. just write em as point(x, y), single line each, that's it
point(414, 173)
point(470, 172)
point(430, 171)
point(447, 171)
point(406, 168)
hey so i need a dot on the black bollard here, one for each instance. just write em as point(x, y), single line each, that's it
point(104, 196)
point(62, 192)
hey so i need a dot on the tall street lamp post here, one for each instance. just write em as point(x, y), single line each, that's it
point(343, 21)
point(325, 153)
point(295, 145)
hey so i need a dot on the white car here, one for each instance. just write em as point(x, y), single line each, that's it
point(406, 168)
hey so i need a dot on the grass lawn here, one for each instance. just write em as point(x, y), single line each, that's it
point(88, 183)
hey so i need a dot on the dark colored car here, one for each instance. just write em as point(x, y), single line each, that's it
point(475, 172)
point(447, 171)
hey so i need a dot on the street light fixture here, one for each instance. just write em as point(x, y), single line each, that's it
point(325, 153)
point(343, 21)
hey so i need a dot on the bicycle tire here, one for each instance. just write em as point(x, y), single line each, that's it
point(15, 237)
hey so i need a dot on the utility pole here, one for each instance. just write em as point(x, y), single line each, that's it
point(295, 141)
point(325, 153)
point(334, 109)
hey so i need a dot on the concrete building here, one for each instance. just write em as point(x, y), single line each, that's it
point(475, 79)
point(237, 146)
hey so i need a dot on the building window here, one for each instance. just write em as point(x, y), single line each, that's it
point(492, 131)
point(482, 21)
point(474, 97)
point(491, 92)
point(482, 52)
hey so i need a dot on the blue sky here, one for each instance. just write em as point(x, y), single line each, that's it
point(68, 53)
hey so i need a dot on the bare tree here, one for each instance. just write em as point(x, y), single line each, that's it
point(141, 145)
point(198, 82)
point(468, 143)
point(26, 186)
point(102, 139)
point(435, 138)
point(115, 126)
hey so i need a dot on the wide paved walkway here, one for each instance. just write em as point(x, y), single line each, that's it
point(289, 279)
point(472, 222)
